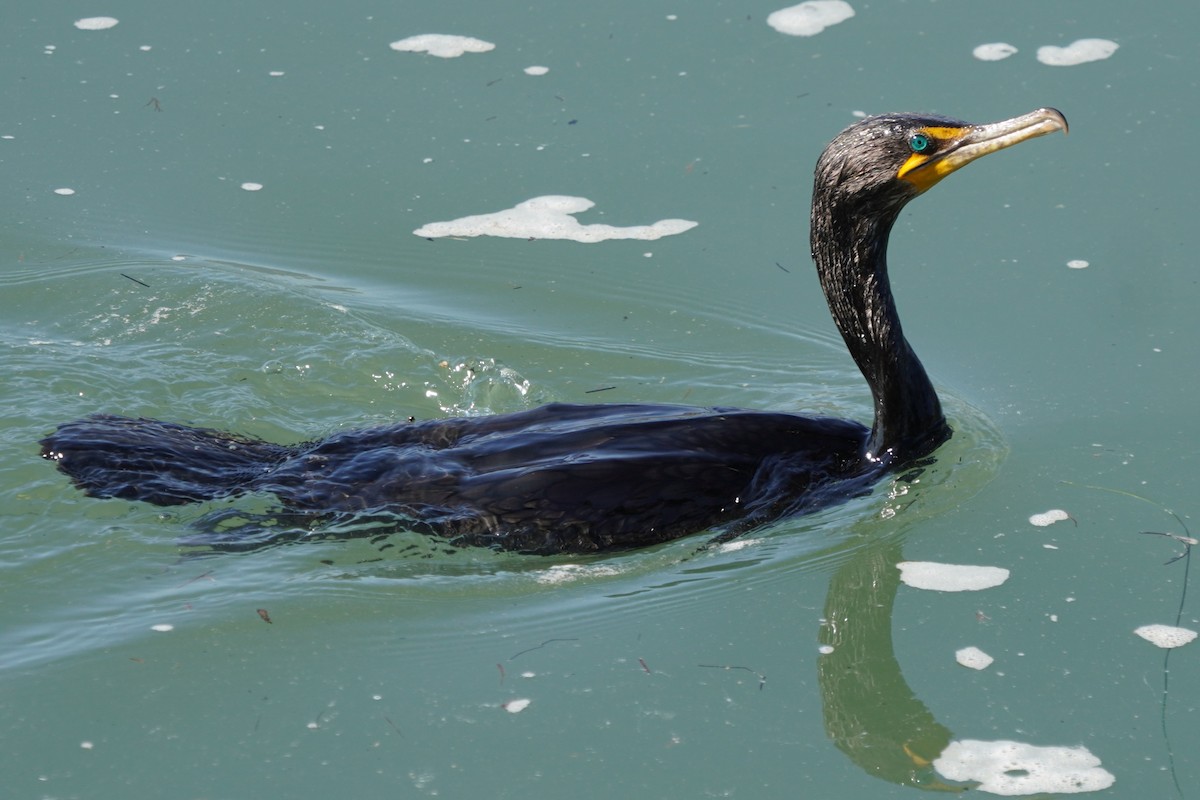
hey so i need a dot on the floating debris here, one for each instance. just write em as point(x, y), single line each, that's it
point(994, 51)
point(810, 18)
point(549, 217)
point(96, 23)
point(540, 646)
point(1016, 768)
point(950, 577)
point(1165, 636)
point(1048, 517)
point(973, 658)
point(516, 706)
point(442, 45)
point(1080, 51)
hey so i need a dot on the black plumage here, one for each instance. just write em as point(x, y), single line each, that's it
point(581, 478)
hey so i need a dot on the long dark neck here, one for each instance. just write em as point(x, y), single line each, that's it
point(850, 250)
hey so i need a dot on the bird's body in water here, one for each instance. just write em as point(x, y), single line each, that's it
point(582, 478)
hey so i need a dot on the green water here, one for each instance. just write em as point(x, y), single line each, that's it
point(162, 288)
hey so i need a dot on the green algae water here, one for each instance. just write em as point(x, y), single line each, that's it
point(208, 217)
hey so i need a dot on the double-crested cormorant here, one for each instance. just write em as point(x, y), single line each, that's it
point(579, 478)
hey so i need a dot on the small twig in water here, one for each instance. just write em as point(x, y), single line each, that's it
point(539, 647)
point(1186, 541)
point(1186, 555)
point(199, 577)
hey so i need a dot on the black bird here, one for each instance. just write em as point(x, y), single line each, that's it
point(582, 478)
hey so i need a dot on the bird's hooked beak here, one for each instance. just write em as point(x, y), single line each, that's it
point(958, 146)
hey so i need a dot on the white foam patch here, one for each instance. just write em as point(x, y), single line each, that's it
point(565, 573)
point(536, 70)
point(993, 51)
point(250, 186)
point(1015, 768)
point(810, 18)
point(736, 544)
point(549, 217)
point(1048, 517)
point(96, 23)
point(1165, 636)
point(1077, 263)
point(442, 45)
point(517, 706)
point(950, 577)
point(65, 191)
point(1078, 52)
point(973, 658)
point(162, 627)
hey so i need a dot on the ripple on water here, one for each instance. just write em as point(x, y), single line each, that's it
point(194, 345)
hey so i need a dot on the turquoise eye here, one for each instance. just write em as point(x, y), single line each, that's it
point(920, 143)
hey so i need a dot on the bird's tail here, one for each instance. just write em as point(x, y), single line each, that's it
point(158, 462)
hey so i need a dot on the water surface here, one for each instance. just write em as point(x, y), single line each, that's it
point(161, 287)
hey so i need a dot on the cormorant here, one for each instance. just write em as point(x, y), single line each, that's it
point(583, 478)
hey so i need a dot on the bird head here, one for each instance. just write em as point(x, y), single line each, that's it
point(883, 162)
